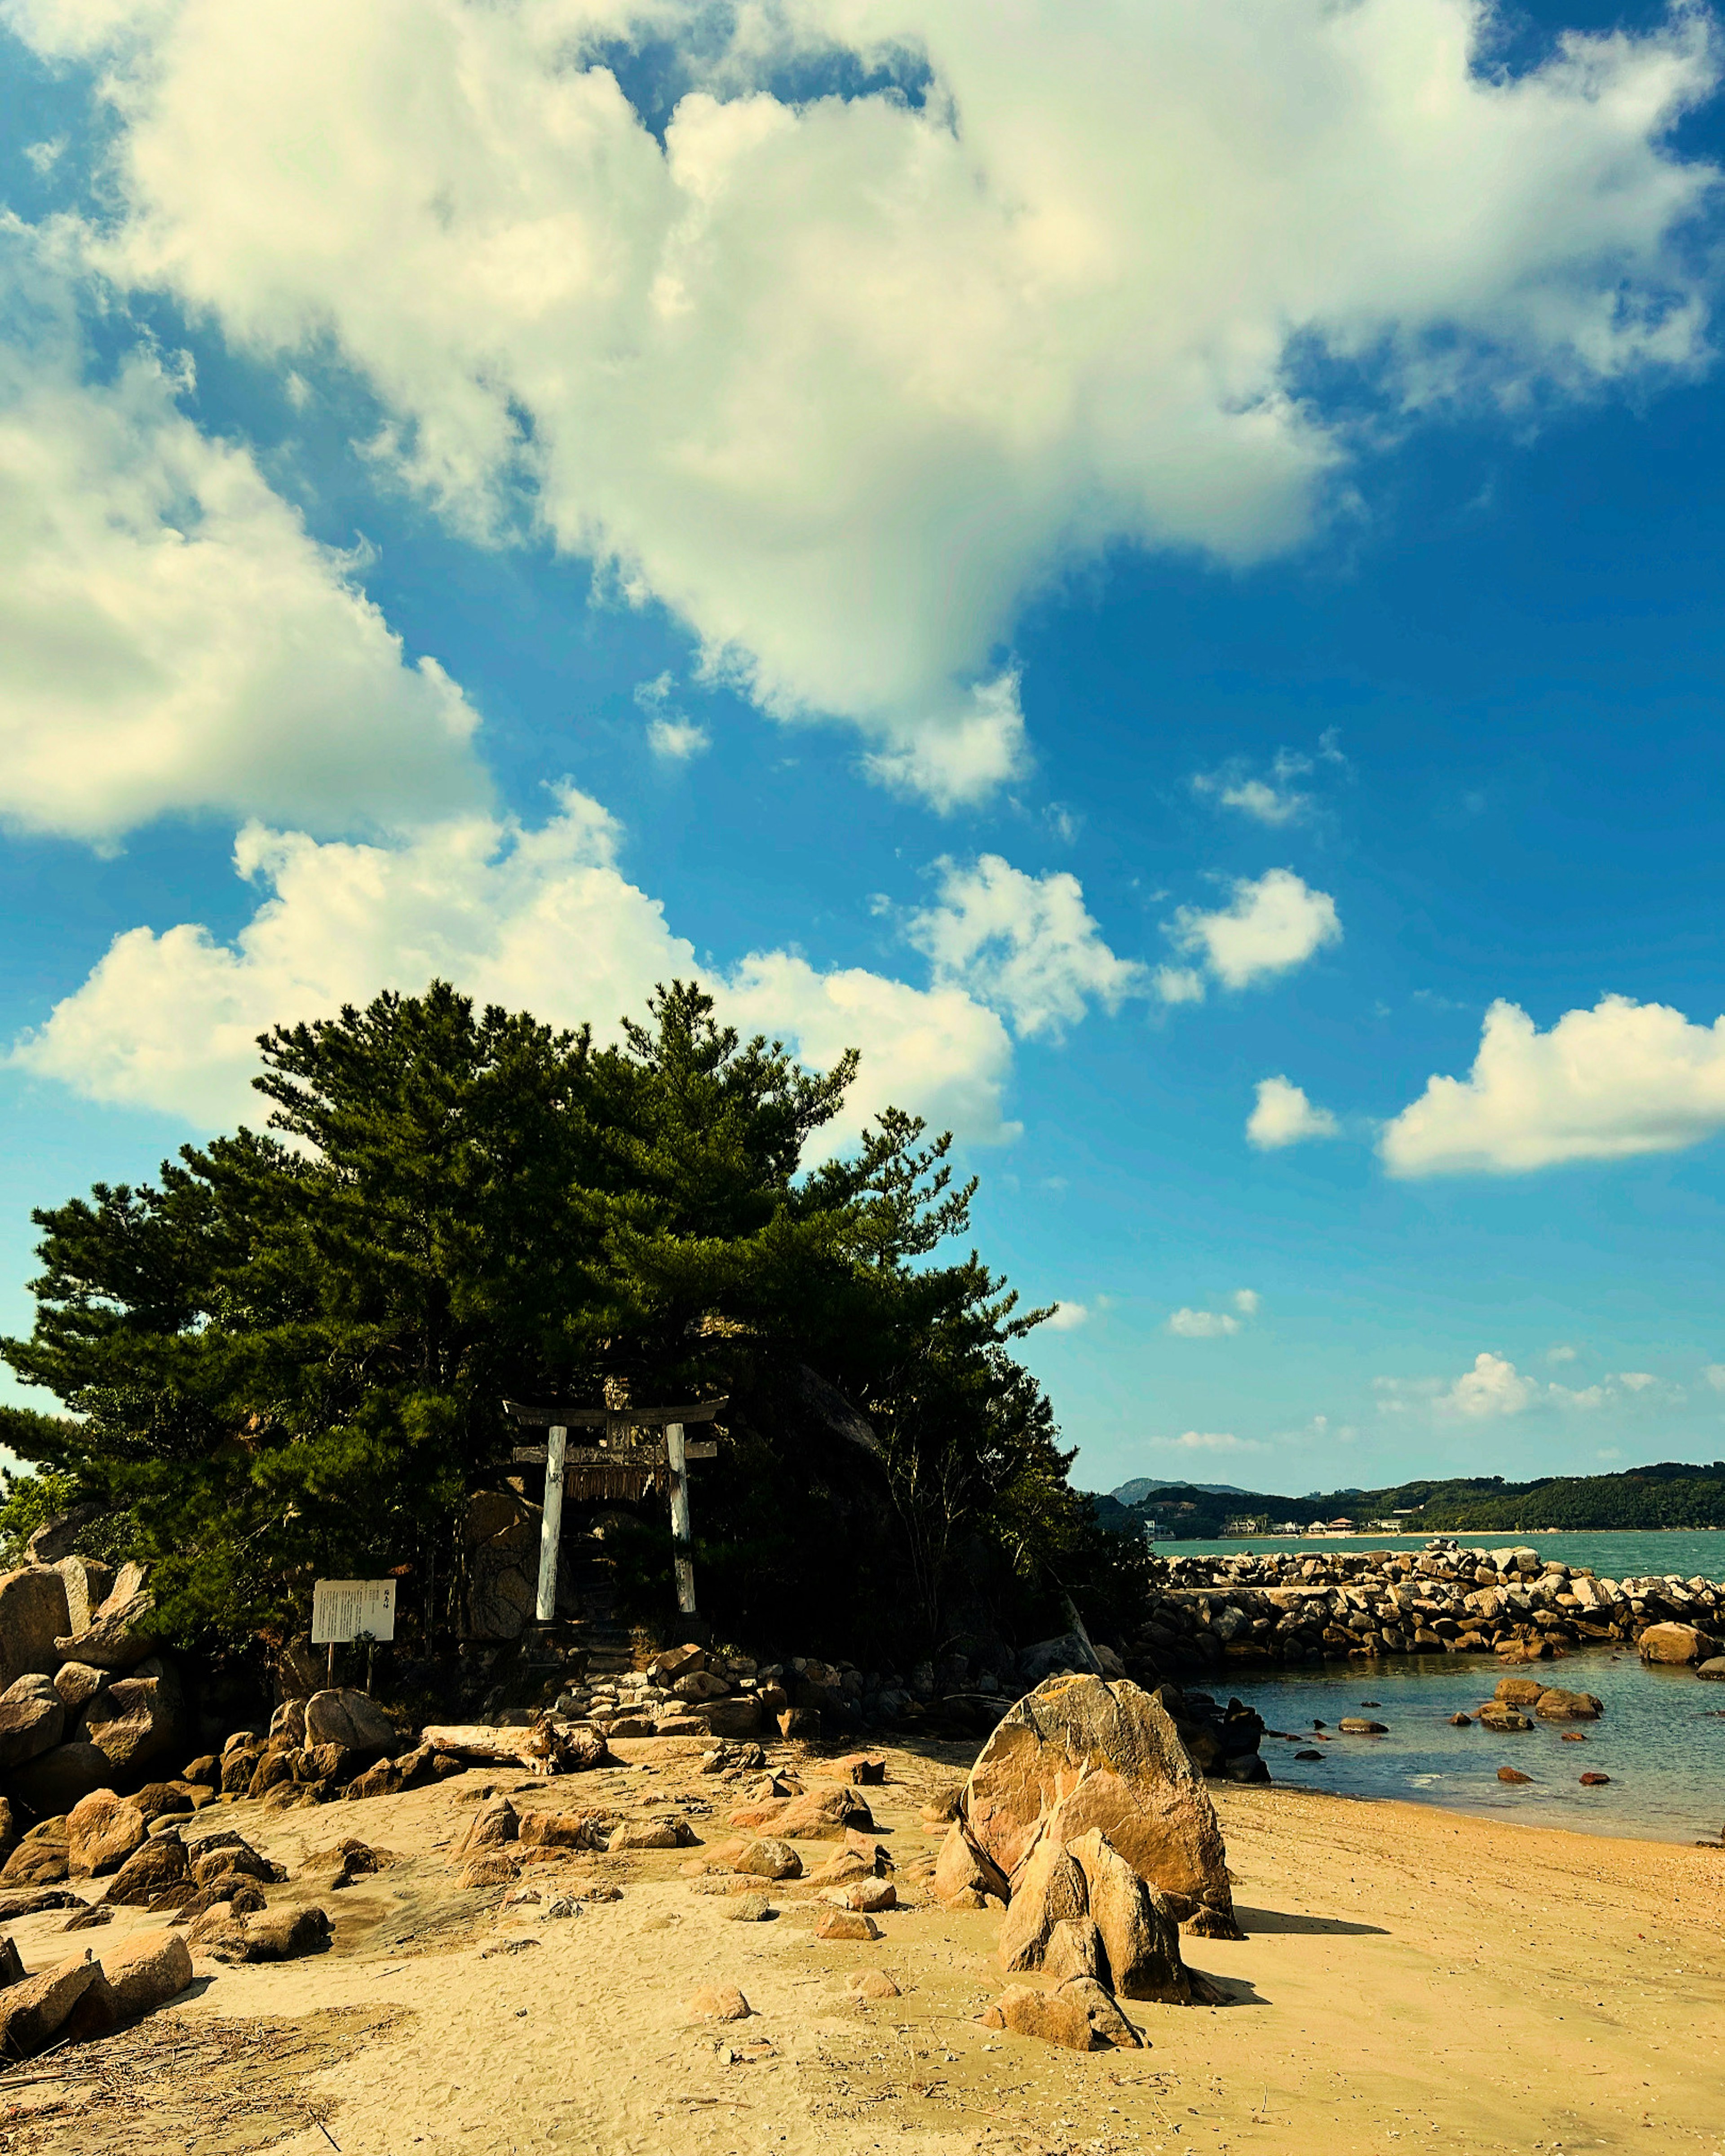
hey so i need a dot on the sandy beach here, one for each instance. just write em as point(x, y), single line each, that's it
point(1408, 1974)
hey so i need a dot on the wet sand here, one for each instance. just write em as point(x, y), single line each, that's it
point(1411, 1977)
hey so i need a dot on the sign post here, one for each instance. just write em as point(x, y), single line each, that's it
point(343, 1610)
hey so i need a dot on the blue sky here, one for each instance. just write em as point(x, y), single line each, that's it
point(1116, 571)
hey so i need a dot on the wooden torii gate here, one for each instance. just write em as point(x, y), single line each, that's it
point(622, 1440)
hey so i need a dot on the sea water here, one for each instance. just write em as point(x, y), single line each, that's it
point(1662, 1737)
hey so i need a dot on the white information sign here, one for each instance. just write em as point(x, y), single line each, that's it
point(343, 1610)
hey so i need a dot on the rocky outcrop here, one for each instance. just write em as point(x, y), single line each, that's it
point(32, 1718)
point(1677, 1643)
point(102, 1830)
point(1104, 1756)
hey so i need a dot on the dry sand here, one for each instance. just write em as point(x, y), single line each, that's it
point(1409, 1977)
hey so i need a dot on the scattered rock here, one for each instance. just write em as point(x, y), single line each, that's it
point(1556, 1705)
point(939, 1810)
point(283, 1935)
point(40, 1858)
point(750, 1909)
point(1311, 1756)
point(1512, 1774)
point(871, 1984)
point(1520, 1691)
point(491, 1867)
point(652, 1834)
point(494, 1824)
point(120, 1634)
point(559, 1830)
point(846, 1924)
point(140, 1718)
point(1595, 1781)
point(1354, 1725)
point(1456, 1722)
point(1051, 1889)
point(710, 2004)
point(34, 1900)
point(1712, 1669)
point(1108, 2026)
point(825, 1816)
point(1053, 2017)
point(769, 1859)
point(1495, 1714)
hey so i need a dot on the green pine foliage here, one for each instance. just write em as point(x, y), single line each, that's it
point(288, 1357)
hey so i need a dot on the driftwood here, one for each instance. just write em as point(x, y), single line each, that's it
point(544, 1749)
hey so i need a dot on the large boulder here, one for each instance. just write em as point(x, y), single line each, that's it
point(146, 1970)
point(33, 2012)
point(137, 1718)
point(122, 1633)
point(32, 1719)
point(102, 1830)
point(353, 1719)
point(53, 1783)
point(1107, 1755)
point(1677, 1643)
point(89, 1583)
point(33, 1616)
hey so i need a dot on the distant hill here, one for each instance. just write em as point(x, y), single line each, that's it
point(1135, 1492)
point(1666, 1494)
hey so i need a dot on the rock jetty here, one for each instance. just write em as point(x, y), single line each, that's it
point(1208, 1614)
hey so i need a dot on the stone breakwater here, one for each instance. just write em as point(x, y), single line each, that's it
point(1209, 1613)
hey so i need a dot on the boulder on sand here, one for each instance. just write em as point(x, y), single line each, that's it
point(33, 2012)
point(353, 1719)
point(1109, 1756)
point(102, 1830)
point(146, 1970)
point(1050, 1889)
point(1139, 1935)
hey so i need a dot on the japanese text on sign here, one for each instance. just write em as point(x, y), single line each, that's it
point(347, 1610)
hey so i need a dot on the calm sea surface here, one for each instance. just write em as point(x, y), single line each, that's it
point(1661, 1738)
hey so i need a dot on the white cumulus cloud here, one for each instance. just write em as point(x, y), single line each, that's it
point(1216, 1324)
point(538, 920)
point(1210, 1440)
point(1024, 945)
point(1606, 1084)
point(1283, 1117)
point(1493, 1387)
point(840, 380)
point(171, 638)
point(1068, 1316)
point(1269, 926)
